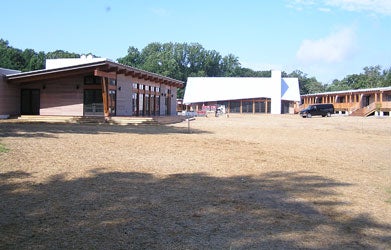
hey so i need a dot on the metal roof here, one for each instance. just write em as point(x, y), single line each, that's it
point(107, 65)
point(351, 91)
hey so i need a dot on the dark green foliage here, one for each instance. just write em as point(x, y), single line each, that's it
point(61, 54)
point(180, 60)
point(372, 77)
point(307, 85)
point(28, 59)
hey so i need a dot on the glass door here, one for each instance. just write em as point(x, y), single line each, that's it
point(30, 102)
point(93, 102)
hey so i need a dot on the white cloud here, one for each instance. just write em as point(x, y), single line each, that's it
point(161, 12)
point(322, 9)
point(336, 47)
point(373, 6)
point(299, 4)
point(377, 6)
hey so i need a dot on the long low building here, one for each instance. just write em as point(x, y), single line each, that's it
point(358, 102)
point(87, 87)
point(275, 95)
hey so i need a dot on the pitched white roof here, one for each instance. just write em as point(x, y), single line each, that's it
point(204, 89)
point(66, 62)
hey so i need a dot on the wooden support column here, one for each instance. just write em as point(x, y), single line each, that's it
point(350, 105)
point(266, 106)
point(241, 106)
point(105, 97)
point(105, 88)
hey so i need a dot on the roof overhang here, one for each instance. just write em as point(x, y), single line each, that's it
point(105, 68)
point(348, 92)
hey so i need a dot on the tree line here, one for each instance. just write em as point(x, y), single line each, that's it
point(28, 59)
point(183, 60)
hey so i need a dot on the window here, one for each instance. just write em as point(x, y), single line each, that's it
point(134, 102)
point(140, 104)
point(259, 107)
point(234, 107)
point(147, 105)
point(247, 106)
point(92, 80)
point(112, 82)
point(112, 101)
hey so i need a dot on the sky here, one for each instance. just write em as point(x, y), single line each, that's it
point(326, 39)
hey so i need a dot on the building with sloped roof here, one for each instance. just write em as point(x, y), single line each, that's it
point(87, 87)
point(354, 102)
point(274, 95)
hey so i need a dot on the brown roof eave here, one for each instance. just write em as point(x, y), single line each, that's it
point(108, 66)
point(45, 74)
point(153, 76)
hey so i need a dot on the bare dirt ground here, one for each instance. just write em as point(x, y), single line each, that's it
point(244, 182)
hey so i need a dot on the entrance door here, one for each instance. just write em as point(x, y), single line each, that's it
point(93, 102)
point(367, 101)
point(30, 102)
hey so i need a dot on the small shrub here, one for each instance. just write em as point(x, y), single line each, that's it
point(3, 149)
point(389, 194)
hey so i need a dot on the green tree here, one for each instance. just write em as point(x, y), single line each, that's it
point(61, 54)
point(229, 65)
point(10, 57)
point(387, 77)
point(133, 58)
point(307, 85)
point(372, 77)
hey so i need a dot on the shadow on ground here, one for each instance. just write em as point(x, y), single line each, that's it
point(187, 211)
point(50, 130)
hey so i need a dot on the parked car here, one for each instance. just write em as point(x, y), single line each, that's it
point(318, 109)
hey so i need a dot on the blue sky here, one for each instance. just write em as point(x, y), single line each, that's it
point(328, 39)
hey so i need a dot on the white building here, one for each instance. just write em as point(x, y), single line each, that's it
point(275, 95)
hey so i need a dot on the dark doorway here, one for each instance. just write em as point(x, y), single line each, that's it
point(367, 101)
point(30, 102)
point(93, 102)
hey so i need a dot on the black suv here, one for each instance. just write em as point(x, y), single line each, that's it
point(318, 109)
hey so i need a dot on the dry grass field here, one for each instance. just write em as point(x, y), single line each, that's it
point(244, 182)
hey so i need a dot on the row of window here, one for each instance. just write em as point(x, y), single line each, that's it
point(248, 106)
point(245, 106)
point(145, 104)
point(139, 86)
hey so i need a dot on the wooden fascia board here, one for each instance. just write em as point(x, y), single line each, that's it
point(121, 71)
point(112, 75)
point(46, 76)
